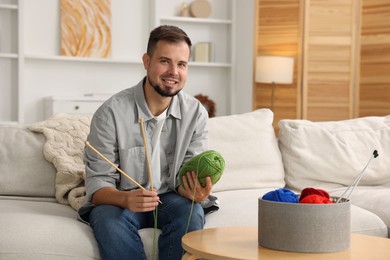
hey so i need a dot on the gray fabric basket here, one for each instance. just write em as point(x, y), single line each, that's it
point(315, 228)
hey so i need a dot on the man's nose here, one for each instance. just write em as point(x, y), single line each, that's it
point(172, 69)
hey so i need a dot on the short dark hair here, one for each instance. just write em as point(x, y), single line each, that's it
point(168, 33)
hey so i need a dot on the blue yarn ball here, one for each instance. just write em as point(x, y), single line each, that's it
point(281, 195)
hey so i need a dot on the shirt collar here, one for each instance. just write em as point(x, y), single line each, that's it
point(174, 108)
point(140, 101)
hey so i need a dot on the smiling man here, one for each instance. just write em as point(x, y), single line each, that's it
point(175, 131)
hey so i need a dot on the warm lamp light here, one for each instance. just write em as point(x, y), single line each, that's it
point(274, 70)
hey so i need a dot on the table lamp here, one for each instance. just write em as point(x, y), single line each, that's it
point(274, 70)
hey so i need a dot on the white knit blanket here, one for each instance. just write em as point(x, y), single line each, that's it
point(65, 137)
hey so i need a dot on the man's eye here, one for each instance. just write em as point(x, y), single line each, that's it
point(182, 65)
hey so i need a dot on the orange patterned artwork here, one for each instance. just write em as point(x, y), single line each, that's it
point(86, 28)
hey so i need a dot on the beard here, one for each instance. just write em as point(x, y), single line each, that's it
point(160, 90)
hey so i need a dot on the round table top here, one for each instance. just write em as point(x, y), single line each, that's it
point(242, 243)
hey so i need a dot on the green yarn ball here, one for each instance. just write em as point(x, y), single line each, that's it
point(209, 163)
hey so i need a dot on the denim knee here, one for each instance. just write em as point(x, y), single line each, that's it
point(116, 233)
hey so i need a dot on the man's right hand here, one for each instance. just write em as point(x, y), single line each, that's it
point(141, 200)
point(135, 200)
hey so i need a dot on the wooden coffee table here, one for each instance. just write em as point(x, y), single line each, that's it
point(242, 243)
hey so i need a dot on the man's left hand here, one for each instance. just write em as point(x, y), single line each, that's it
point(191, 183)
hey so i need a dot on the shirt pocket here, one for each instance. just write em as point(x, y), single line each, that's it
point(132, 162)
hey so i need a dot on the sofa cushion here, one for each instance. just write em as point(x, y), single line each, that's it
point(329, 155)
point(250, 149)
point(23, 169)
point(238, 208)
point(367, 223)
point(43, 230)
point(372, 199)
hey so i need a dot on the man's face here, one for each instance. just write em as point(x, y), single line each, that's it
point(167, 68)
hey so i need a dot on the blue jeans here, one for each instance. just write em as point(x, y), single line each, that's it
point(116, 229)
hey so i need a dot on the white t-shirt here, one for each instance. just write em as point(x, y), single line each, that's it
point(155, 161)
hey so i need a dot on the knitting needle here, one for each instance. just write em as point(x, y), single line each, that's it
point(357, 179)
point(113, 165)
point(141, 121)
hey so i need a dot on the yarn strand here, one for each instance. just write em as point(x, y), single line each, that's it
point(154, 252)
point(209, 163)
point(190, 215)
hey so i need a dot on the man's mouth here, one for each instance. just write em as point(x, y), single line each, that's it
point(170, 81)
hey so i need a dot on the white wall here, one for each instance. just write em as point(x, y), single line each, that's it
point(242, 101)
point(130, 29)
point(45, 77)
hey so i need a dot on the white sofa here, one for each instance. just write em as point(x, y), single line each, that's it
point(326, 155)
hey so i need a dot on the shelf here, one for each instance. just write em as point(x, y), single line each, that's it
point(195, 20)
point(108, 60)
point(8, 7)
point(2, 123)
point(209, 64)
point(9, 55)
point(90, 97)
point(81, 59)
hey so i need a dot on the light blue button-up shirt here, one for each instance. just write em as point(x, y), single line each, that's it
point(116, 133)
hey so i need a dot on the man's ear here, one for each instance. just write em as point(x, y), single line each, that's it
point(146, 60)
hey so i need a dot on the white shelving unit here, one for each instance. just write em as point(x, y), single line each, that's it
point(11, 56)
point(215, 79)
point(81, 59)
point(32, 69)
point(79, 105)
point(56, 83)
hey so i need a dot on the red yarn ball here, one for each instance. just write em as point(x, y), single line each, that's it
point(315, 199)
point(310, 191)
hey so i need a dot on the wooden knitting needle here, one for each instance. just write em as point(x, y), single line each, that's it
point(113, 165)
point(141, 120)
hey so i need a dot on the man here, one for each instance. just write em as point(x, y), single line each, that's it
point(175, 131)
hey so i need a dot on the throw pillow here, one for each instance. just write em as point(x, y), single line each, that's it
point(329, 155)
point(248, 144)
